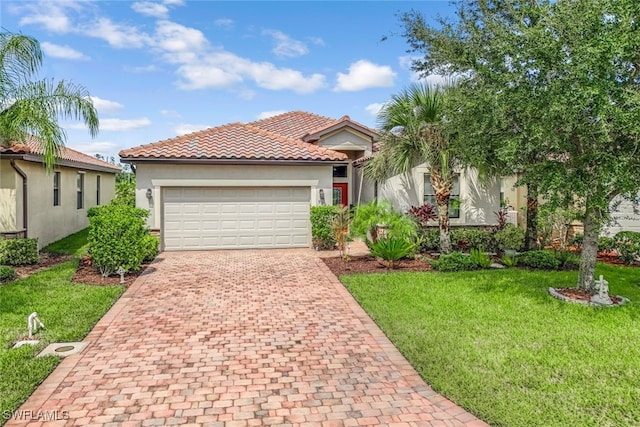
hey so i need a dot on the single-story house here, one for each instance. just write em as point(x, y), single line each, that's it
point(50, 206)
point(251, 185)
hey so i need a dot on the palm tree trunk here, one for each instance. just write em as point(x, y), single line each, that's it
point(531, 233)
point(443, 222)
point(587, 273)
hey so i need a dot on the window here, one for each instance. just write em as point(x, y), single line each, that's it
point(98, 190)
point(56, 189)
point(80, 190)
point(340, 171)
point(454, 200)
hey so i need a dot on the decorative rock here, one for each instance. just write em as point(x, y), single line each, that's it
point(496, 265)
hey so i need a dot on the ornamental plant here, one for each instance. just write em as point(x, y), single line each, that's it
point(391, 250)
point(321, 226)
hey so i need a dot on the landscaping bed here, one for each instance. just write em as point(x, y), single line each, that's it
point(369, 264)
point(88, 275)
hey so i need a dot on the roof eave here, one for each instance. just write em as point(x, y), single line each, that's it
point(206, 161)
point(60, 162)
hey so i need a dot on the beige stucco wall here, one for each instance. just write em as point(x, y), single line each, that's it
point(346, 140)
point(515, 198)
point(8, 197)
point(479, 199)
point(49, 223)
point(150, 176)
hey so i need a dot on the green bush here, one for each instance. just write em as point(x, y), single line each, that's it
point(509, 238)
point(540, 260)
point(606, 244)
point(455, 261)
point(367, 219)
point(627, 243)
point(150, 248)
point(509, 261)
point(6, 273)
point(567, 259)
point(19, 251)
point(429, 239)
point(481, 258)
point(322, 218)
point(118, 237)
point(391, 249)
point(576, 240)
point(466, 238)
point(125, 192)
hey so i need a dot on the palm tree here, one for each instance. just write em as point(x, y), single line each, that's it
point(32, 107)
point(411, 135)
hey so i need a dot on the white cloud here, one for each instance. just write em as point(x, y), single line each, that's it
point(173, 2)
point(52, 15)
point(95, 147)
point(224, 23)
point(171, 37)
point(117, 35)
point(148, 8)
point(64, 52)
point(115, 124)
point(363, 75)
point(375, 108)
point(317, 41)
point(267, 114)
point(106, 106)
point(170, 113)
point(141, 69)
point(285, 45)
point(185, 128)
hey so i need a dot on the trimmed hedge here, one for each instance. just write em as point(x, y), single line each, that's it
point(539, 260)
point(19, 251)
point(455, 261)
point(627, 243)
point(118, 237)
point(6, 273)
point(322, 226)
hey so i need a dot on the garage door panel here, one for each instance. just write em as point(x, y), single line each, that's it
point(217, 218)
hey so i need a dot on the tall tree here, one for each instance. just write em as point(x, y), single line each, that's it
point(567, 73)
point(411, 135)
point(32, 107)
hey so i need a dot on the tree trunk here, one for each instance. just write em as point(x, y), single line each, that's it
point(531, 233)
point(443, 222)
point(587, 273)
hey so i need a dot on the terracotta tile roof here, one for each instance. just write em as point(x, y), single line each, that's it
point(234, 141)
point(32, 146)
point(294, 124)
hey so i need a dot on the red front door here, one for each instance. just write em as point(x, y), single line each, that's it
point(340, 193)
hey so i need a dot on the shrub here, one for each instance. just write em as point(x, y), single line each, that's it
point(321, 226)
point(606, 244)
point(455, 261)
point(150, 247)
point(340, 228)
point(6, 273)
point(125, 192)
point(509, 261)
point(367, 218)
point(577, 240)
point(118, 237)
point(391, 250)
point(540, 260)
point(511, 237)
point(481, 258)
point(628, 245)
point(429, 239)
point(423, 214)
point(567, 259)
point(19, 251)
point(466, 238)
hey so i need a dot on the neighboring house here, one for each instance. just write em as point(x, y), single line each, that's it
point(251, 185)
point(49, 206)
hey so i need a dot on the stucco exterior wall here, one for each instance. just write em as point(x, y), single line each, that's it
point(8, 196)
point(346, 140)
point(149, 176)
point(479, 199)
point(49, 223)
point(624, 218)
point(515, 198)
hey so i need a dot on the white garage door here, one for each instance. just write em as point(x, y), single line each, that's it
point(231, 218)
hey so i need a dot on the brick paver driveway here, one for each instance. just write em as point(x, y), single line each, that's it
point(240, 338)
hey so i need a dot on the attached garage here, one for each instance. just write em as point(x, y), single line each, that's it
point(201, 218)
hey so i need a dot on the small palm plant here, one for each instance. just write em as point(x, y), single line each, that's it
point(391, 250)
point(340, 228)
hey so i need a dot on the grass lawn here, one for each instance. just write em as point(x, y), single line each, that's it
point(495, 343)
point(74, 244)
point(68, 311)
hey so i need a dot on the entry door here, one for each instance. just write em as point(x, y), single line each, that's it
point(341, 193)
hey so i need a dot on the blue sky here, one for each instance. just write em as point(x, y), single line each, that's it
point(157, 69)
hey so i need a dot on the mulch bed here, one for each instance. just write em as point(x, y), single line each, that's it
point(88, 275)
point(47, 260)
point(369, 264)
point(574, 294)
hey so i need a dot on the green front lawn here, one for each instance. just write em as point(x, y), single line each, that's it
point(74, 244)
point(68, 311)
point(498, 345)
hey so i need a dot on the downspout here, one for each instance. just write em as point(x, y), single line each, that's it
point(24, 195)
